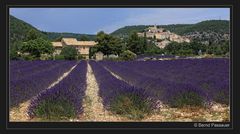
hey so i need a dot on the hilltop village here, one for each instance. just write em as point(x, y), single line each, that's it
point(162, 36)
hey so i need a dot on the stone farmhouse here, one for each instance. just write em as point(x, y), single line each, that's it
point(163, 37)
point(83, 47)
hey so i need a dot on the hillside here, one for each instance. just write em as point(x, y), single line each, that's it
point(205, 31)
point(210, 30)
point(125, 31)
point(213, 31)
point(219, 26)
point(19, 30)
point(55, 35)
point(178, 28)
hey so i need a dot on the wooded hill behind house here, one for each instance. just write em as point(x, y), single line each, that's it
point(55, 35)
point(211, 30)
point(19, 30)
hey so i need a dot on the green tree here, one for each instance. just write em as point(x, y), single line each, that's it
point(184, 49)
point(116, 45)
point(128, 55)
point(136, 44)
point(13, 54)
point(225, 47)
point(172, 48)
point(218, 50)
point(153, 49)
point(93, 50)
point(58, 38)
point(14, 49)
point(210, 49)
point(103, 43)
point(185, 52)
point(196, 46)
point(69, 52)
point(37, 47)
point(32, 35)
point(84, 38)
point(108, 44)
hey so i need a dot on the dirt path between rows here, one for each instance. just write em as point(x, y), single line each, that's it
point(19, 114)
point(92, 103)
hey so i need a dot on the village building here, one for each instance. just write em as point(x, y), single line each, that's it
point(154, 29)
point(163, 36)
point(99, 56)
point(83, 47)
point(163, 43)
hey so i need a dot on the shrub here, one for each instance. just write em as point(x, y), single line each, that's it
point(55, 110)
point(14, 55)
point(59, 57)
point(113, 59)
point(80, 57)
point(128, 55)
point(45, 57)
point(186, 99)
point(28, 57)
point(222, 97)
point(69, 53)
point(131, 106)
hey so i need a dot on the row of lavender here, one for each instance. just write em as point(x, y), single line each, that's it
point(16, 64)
point(110, 87)
point(71, 89)
point(165, 79)
point(27, 79)
point(31, 69)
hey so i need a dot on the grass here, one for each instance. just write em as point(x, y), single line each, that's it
point(55, 110)
point(130, 106)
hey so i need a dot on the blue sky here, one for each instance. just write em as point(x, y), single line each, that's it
point(92, 20)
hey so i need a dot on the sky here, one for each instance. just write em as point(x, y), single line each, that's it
point(93, 20)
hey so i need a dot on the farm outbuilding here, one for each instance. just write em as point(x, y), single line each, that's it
point(99, 55)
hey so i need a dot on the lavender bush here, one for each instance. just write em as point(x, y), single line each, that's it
point(25, 88)
point(209, 78)
point(113, 90)
point(69, 91)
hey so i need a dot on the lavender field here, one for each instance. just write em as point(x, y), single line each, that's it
point(118, 91)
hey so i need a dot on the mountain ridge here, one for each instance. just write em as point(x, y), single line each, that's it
point(213, 30)
point(180, 29)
